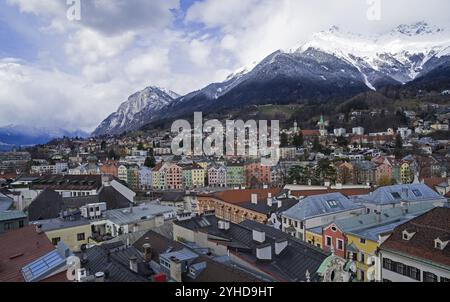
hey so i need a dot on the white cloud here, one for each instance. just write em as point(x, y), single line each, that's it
point(121, 46)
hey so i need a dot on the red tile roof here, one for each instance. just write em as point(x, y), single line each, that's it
point(19, 248)
point(428, 227)
point(311, 132)
point(346, 192)
point(244, 196)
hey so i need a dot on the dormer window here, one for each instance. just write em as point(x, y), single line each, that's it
point(396, 195)
point(440, 244)
point(408, 235)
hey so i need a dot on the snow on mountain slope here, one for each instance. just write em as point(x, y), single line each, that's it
point(136, 110)
point(400, 53)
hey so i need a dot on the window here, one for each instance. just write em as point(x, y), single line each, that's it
point(438, 245)
point(443, 279)
point(396, 195)
point(56, 240)
point(362, 241)
point(8, 226)
point(329, 241)
point(429, 277)
point(417, 193)
point(81, 237)
point(362, 258)
point(21, 224)
point(387, 264)
point(332, 204)
point(340, 245)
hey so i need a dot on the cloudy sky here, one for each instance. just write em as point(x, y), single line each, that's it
point(60, 72)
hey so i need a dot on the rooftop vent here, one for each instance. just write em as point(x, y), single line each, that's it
point(254, 198)
point(264, 252)
point(259, 236)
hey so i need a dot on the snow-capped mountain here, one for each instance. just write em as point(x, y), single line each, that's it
point(332, 65)
point(23, 136)
point(136, 111)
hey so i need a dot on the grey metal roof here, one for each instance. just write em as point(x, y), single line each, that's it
point(11, 215)
point(370, 226)
point(5, 203)
point(58, 223)
point(147, 211)
point(402, 193)
point(319, 205)
point(181, 255)
point(291, 265)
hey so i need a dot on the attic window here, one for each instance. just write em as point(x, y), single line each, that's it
point(332, 204)
point(407, 235)
point(439, 244)
point(417, 193)
point(396, 195)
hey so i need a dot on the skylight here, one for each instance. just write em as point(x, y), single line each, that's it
point(333, 204)
point(417, 193)
point(396, 195)
point(42, 266)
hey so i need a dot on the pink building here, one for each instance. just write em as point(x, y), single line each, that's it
point(174, 177)
point(257, 175)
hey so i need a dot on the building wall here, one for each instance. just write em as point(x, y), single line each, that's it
point(395, 277)
point(335, 234)
point(229, 212)
point(70, 236)
point(369, 249)
point(15, 224)
point(314, 239)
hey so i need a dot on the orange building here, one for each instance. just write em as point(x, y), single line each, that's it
point(110, 168)
point(257, 175)
point(233, 205)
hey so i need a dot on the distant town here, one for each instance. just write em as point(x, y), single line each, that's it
point(342, 205)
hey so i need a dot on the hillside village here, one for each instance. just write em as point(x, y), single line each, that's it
point(342, 205)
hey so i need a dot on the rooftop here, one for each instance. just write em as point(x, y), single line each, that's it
point(19, 248)
point(402, 193)
point(12, 215)
point(291, 265)
point(143, 212)
point(319, 205)
point(428, 227)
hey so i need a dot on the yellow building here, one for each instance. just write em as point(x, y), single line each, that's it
point(198, 176)
point(405, 173)
point(73, 233)
point(314, 237)
point(364, 252)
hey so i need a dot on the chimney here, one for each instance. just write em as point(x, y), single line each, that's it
point(280, 204)
point(133, 264)
point(39, 228)
point(254, 198)
point(148, 254)
point(280, 246)
point(100, 277)
point(176, 270)
point(269, 199)
point(264, 252)
point(259, 236)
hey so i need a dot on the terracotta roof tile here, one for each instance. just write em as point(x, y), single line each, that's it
point(430, 226)
point(244, 196)
point(19, 248)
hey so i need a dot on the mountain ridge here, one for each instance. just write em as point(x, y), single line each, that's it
point(331, 65)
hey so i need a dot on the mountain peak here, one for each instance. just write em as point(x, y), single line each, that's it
point(418, 28)
point(133, 113)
